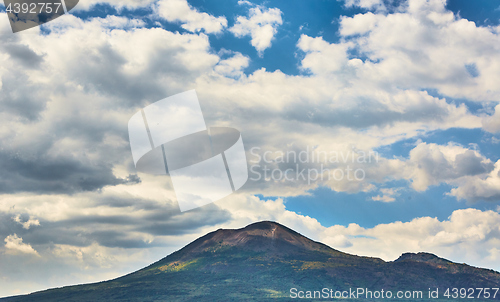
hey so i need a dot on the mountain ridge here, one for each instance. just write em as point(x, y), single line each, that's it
point(265, 260)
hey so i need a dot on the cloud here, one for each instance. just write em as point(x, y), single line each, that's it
point(190, 18)
point(261, 24)
point(471, 175)
point(105, 81)
point(118, 4)
point(89, 237)
point(23, 55)
point(232, 66)
point(367, 4)
point(60, 145)
point(245, 2)
point(321, 56)
point(360, 24)
point(26, 224)
point(131, 217)
point(425, 45)
point(480, 188)
point(29, 103)
point(15, 244)
point(431, 164)
point(492, 123)
point(43, 173)
point(458, 238)
point(388, 195)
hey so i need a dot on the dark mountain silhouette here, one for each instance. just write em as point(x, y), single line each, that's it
point(263, 261)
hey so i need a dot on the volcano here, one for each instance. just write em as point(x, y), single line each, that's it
point(268, 261)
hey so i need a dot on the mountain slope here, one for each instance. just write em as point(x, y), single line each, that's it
point(265, 260)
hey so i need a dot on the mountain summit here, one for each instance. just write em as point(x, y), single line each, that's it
point(265, 236)
point(266, 260)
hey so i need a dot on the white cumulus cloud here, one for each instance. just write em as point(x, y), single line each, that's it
point(191, 19)
point(26, 224)
point(261, 24)
point(15, 244)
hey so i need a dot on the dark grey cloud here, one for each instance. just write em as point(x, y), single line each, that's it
point(363, 114)
point(115, 238)
point(23, 55)
point(52, 175)
point(468, 163)
point(465, 164)
point(20, 96)
point(145, 217)
point(102, 71)
point(160, 224)
point(26, 101)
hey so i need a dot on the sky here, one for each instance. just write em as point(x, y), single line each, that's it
point(398, 99)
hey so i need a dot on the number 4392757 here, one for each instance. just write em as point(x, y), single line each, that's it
point(33, 8)
point(471, 293)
